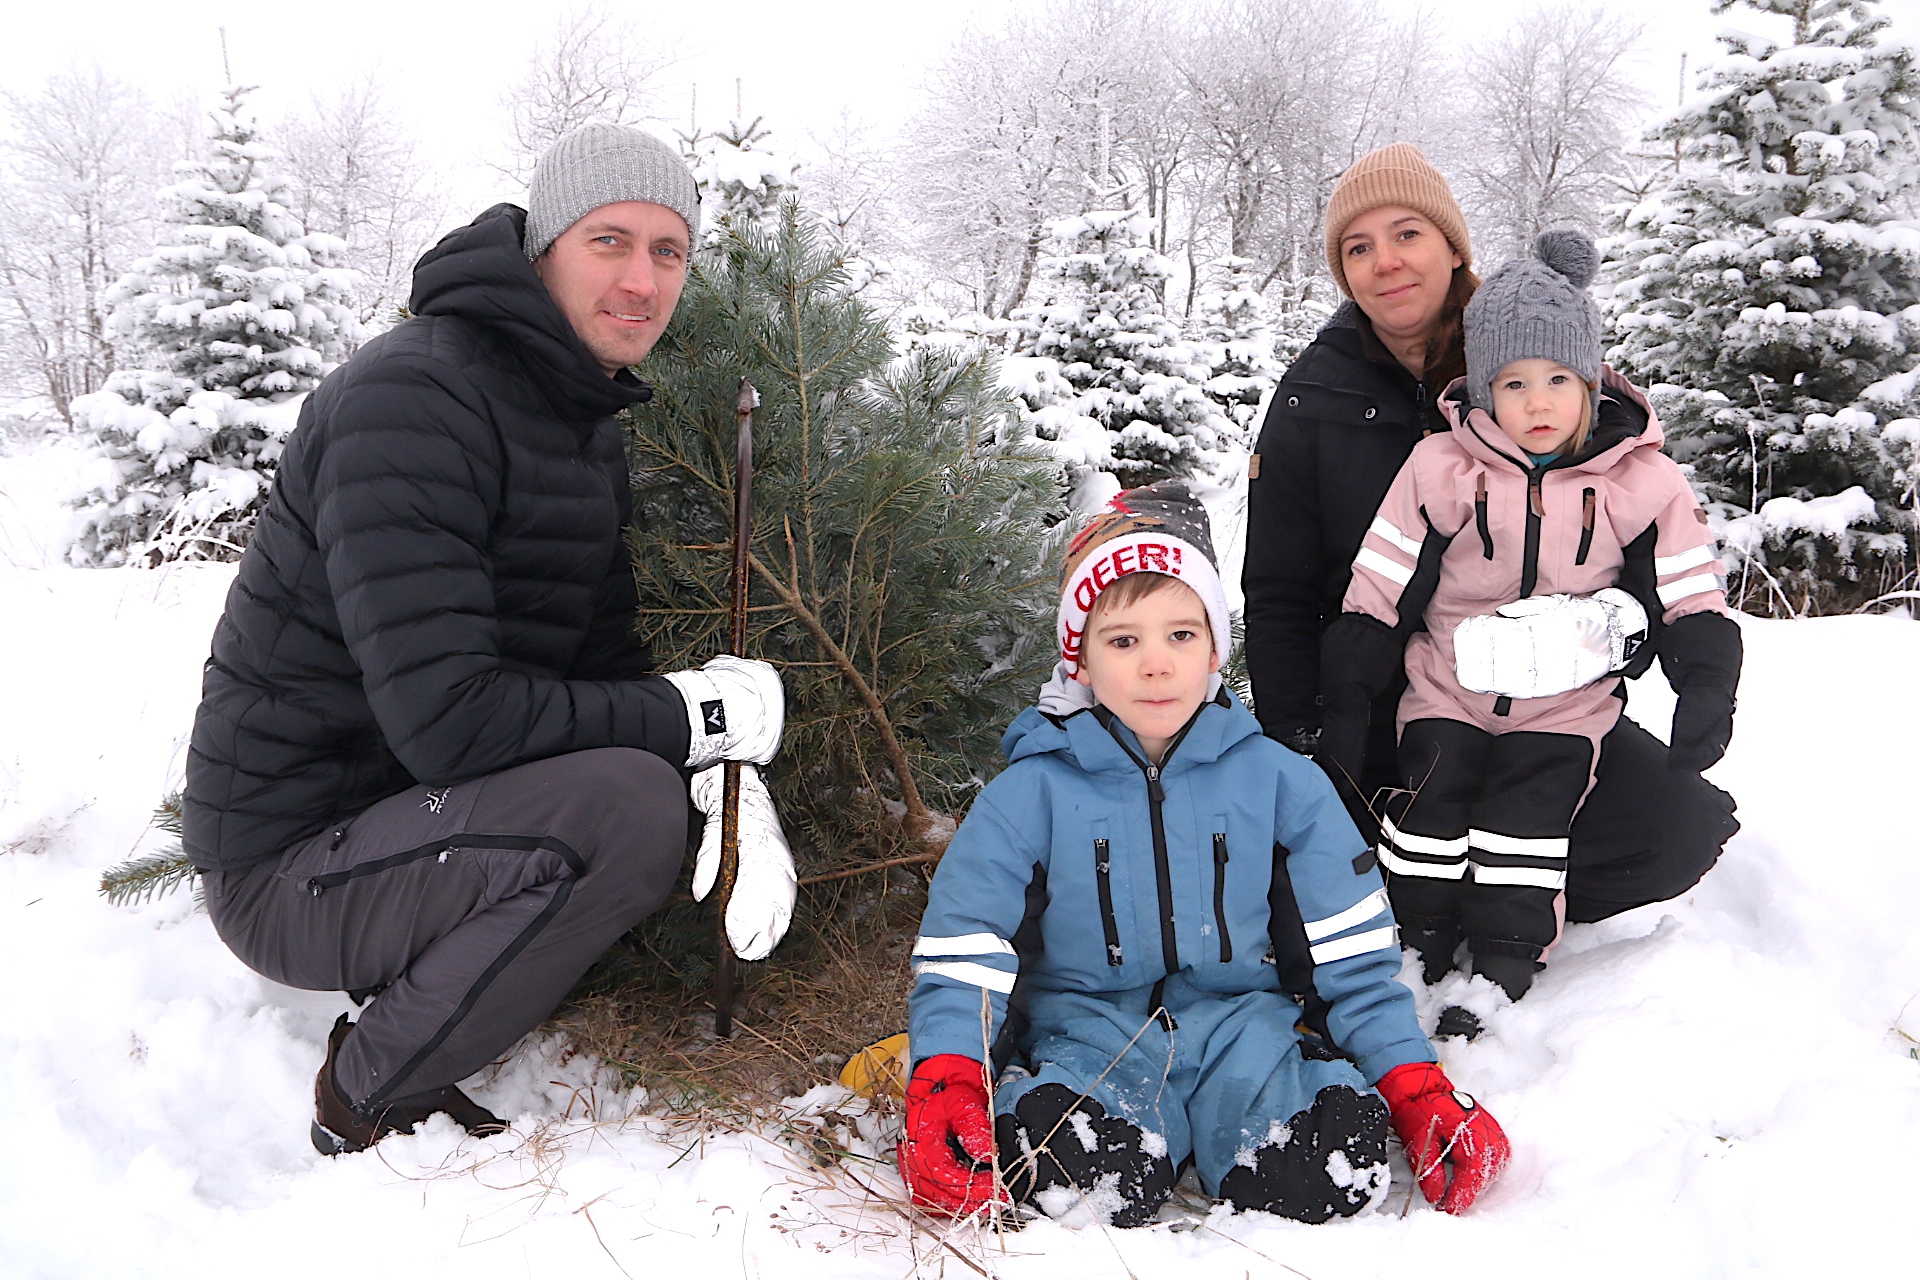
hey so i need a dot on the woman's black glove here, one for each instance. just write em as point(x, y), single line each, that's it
point(1359, 658)
point(1701, 654)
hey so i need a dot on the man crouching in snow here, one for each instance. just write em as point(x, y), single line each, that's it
point(1104, 928)
point(431, 764)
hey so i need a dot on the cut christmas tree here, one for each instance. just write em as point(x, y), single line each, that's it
point(903, 580)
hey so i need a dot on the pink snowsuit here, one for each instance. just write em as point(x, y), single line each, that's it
point(1479, 839)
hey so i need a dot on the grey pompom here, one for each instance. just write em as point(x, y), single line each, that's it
point(1571, 253)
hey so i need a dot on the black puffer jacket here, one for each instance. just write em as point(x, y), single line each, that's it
point(439, 587)
point(1340, 425)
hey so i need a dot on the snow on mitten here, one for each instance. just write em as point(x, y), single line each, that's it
point(946, 1152)
point(764, 887)
point(1440, 1126)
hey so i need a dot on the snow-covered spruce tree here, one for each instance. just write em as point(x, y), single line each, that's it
point(237, 315)
point(1770, 293)
point(1138, 411)
point(742, 180)
point(902, 573)
point(1236, 340)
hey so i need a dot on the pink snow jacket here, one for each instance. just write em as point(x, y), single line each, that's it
point(1470, 525)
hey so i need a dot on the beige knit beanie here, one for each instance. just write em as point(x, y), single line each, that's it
point(1394, 174)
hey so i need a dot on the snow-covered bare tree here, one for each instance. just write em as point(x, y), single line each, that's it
point(592, 64)
point(1770, 293)
point(236, 315)
point(79, 163)
point(1554, 101)
point(992, 157)
point(357, 173)
point(1283, 95)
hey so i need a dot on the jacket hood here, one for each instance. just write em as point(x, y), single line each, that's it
point(1085, 742)
point(479, 273)
point(1627, 422)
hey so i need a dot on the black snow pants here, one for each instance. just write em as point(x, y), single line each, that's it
point(471, 910)
point(1476, 839)
point(1646, 833)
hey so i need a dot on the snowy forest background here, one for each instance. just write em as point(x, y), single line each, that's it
point(1117, 208)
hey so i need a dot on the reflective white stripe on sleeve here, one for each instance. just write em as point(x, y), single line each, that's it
point(1536, 877)
point(1359, 913)
point(967, 944)
point(1358, 945)
point(1371, 559)
point(1688, 587)
point(1692, 559)
point(1494, 842)
point(1399, 539)
point(1455, 848)
point(1431, 870)
point(978, 975)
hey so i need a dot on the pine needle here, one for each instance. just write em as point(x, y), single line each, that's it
point(152, 875)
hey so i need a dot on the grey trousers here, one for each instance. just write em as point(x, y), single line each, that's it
point(473, 908)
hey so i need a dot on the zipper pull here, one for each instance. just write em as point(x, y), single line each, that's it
point(1533, 495)
point(1154, 788)
point(1220, 849)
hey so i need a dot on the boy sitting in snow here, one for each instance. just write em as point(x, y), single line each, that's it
point(1103, 931)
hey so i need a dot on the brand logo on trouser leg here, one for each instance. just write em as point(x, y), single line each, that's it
point(713, 717)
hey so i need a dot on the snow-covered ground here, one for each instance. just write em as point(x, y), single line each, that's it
point(1724, 1085)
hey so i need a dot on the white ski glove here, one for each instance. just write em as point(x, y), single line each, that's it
point(1543, 645)
point(736, 710)
point(763, 889)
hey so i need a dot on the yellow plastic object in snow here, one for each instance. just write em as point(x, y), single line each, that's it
point(879, 1070)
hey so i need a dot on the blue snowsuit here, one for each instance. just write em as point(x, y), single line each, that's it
point(1086, 889)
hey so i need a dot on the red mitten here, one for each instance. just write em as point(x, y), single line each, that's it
point(946, 1155)
point(1440, 1126)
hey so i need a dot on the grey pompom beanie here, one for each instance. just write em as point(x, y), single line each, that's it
point(599, 164)
point(1535, 309)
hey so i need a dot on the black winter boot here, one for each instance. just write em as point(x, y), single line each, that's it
point(340, 1128)
point(1435, 947)
point(1457, 1023)
point(1514, 974)
point(1331, 1163)
point(1058, 1139)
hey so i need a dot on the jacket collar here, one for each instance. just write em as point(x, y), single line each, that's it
point(480, 273)
point(1088, 744)
point(1626, 422)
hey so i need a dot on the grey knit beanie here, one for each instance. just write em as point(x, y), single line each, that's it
point(600, 164)
point(1535, 309)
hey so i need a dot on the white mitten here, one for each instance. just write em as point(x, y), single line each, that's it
point(1543, 645)
point(736, 710)
point(763, 889)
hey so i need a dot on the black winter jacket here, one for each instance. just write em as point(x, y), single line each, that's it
point(1337, 430)
point(439, 587)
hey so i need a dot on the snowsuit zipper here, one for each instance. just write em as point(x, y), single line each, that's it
point(1162, 864)
point(1530, 561)
point(1103, 878)
point(1220, 895)
point(1480, 514)
point(1586, 525)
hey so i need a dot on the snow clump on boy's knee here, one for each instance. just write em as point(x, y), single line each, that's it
point(1082, 1127)
point(1279, 1134)
point(1367, 1182)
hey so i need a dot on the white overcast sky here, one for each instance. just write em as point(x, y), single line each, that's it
point(801, 64)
